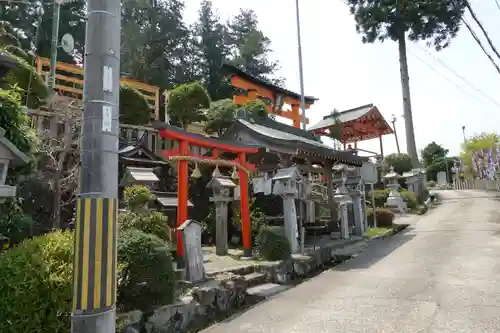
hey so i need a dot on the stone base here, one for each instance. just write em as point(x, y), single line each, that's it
point(396, 204)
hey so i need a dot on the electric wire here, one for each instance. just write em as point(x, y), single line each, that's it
point(442, 63)
point(482, 93)
point(485, 33)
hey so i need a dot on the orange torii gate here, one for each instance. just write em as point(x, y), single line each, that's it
point(183, 155)
point(249, 88)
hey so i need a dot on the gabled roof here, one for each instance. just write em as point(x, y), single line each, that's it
point(303, 142)
point(365, 113)
point(137, 151)
point(234, 70)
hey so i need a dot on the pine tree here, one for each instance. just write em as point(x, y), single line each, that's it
point(436, 22)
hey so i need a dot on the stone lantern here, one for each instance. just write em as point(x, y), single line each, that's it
point(9, 156)
point(342, 198)
point(394, 201)
point(356, 189)
point(222, 188)
point(286, 184)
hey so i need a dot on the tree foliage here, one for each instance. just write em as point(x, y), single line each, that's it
point(400, 162)
point(475, 143)
point(185, 103)
point(221, 114)
point(436, 22)
point(432, 152)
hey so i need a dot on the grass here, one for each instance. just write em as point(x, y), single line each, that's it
point(373, 232)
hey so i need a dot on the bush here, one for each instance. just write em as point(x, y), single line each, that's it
point(431, 184)
point(137, 197)
point(16, 227)
point(35, 285)
point(380, 197)
point(273, 246)
point(146, 273)
point(384, 217)
point(149, 222)
point(410, 198)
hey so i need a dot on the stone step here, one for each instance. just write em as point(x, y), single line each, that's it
point(267, 289)
point(255, 279)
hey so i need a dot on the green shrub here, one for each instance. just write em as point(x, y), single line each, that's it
point(149, 222)
point(380, 197)
point(431, 184)
point(272, 245)
point(35, 285)
point(137, 197)
point(385, 217)
point(410, 198)
point(16, 227)
point(146, 275)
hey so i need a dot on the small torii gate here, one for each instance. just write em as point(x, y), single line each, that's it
point(183, 155)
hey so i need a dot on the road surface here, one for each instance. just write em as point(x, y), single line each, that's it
point(442, 275)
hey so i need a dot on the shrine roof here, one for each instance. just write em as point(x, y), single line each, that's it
point(137, 151)
point(234, 70)
point(364, 113)
point(303, 141)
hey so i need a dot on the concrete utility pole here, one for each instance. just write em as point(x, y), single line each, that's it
point(301, 70)
point(54, 44)
point(393, 121)
point(94, 281)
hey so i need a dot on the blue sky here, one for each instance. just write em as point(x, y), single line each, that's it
point(344, 73)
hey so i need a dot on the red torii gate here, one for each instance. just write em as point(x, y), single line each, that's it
point(183, 155)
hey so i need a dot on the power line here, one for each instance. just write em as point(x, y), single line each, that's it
point(478, 41)
point(485, 33)
point(453, 71)
point(498, 4)
point(449, 80)
point(482, 93)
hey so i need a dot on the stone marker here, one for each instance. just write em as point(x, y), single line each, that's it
point(193, 252)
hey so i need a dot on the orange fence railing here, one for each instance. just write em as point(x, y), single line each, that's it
point(69, 82)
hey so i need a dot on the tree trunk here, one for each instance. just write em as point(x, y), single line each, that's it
point(405, 85)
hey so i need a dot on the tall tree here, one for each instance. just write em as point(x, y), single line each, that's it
point(436, 22)
point(250, 48)
point(156, 43)
point(213, 51)
point(432, 152)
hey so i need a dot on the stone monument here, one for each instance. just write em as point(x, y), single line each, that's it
point(193, 252)
point(286, 184)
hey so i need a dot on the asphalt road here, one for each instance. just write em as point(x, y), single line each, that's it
point(441, 275)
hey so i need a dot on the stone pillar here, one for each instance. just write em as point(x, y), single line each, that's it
point(221, 247)
point(343, 199)
point(290, 217)
point(311, 211)
point(344, 221)
point(358, 214)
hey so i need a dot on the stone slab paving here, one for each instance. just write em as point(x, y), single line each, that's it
point(440, 275)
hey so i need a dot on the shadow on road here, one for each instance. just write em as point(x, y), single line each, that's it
point(377, 250)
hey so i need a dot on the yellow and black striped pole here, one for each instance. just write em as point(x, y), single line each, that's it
point(95, 258)
point(94, 282)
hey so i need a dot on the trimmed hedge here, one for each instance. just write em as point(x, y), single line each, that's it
point(147, 276)
point(35, 285)
point(385, 217)
point(272, 245)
